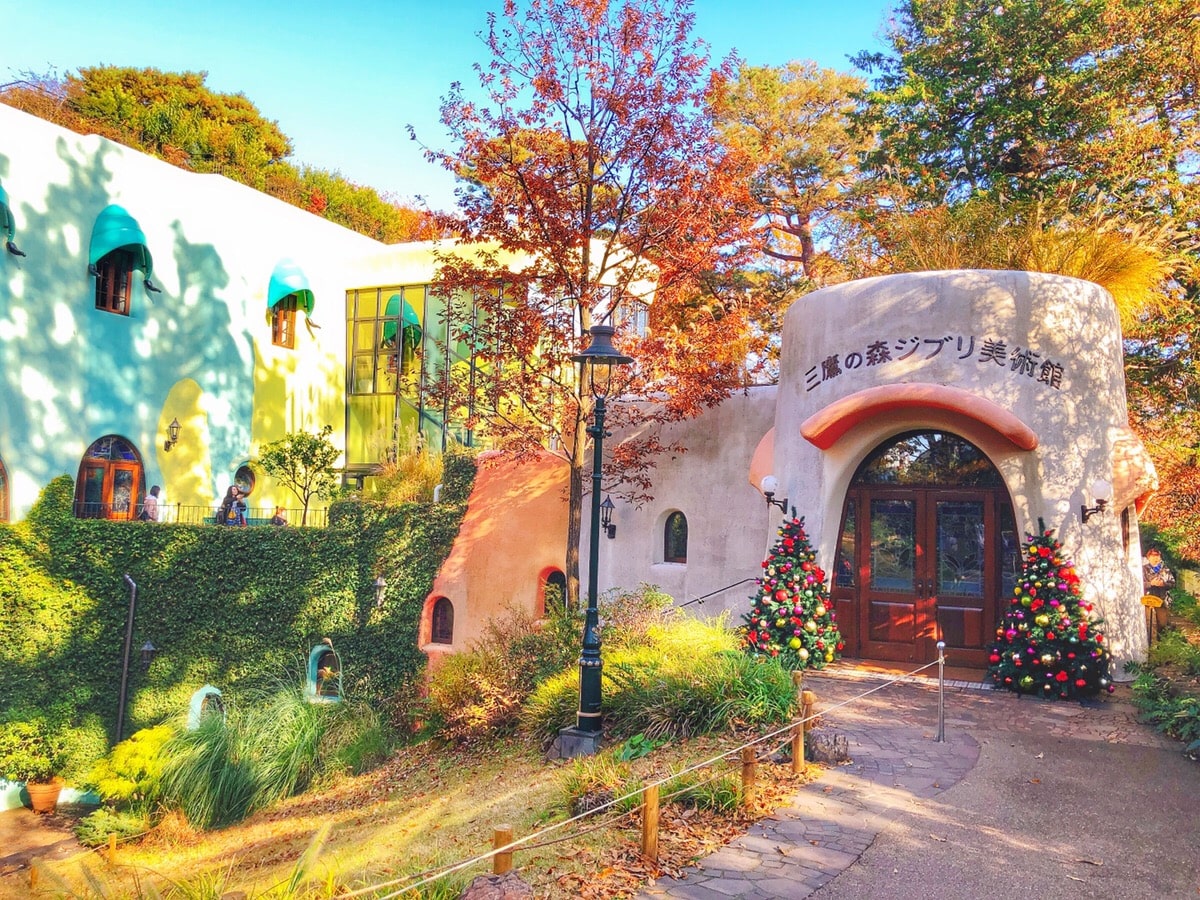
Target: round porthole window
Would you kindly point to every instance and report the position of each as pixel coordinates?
(244, 479)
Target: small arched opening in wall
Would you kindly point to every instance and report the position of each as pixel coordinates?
(441, 621)
(552, 591)
(674, 546)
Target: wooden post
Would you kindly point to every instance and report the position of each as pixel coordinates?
(798, 684)
(748, 776)
(650, 823)
(502, 837)
(798, 749)
(809, 703)
(33, 874)
(112, 848)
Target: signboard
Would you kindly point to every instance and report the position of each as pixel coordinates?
(1149, 600)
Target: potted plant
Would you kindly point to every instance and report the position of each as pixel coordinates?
(30, 754)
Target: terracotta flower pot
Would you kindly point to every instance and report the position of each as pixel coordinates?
(44, 797)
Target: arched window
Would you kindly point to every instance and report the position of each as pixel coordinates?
(117, 250)
(675, 534)
(114, 280)
(443, 621)
(110, 483)
(287, 292)
(554, 592)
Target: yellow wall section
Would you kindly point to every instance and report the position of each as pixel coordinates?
(185, 468)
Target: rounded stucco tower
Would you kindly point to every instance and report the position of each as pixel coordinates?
(926, 422)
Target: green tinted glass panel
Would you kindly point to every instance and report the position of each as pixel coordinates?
(844, 568)
(1009, 551)
(960, 548)
(893, 544)
(929, 458)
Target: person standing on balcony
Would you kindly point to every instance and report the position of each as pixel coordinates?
(149, 511)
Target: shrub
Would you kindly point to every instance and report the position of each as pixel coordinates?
(29, 752)
(409, 477)
(1178, 717)
(552, 705)
(270, 748)
(627, 616)
(480, 691)
(636, 747)
(208, 776)
(1172, 648)
(687, 679)
(93, 829)
(131, 774)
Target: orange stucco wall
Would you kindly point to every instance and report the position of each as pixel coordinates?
(514, 533)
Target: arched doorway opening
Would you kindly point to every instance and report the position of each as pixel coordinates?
(927, 551)
(110, 483)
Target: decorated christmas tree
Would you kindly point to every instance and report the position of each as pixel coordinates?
(792, 619)
(1049, 643)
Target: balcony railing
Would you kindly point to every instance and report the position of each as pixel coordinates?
(201, 515)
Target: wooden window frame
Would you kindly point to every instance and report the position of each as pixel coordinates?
(670, 553)
(114, 282)
(283, 322)
(441, 628)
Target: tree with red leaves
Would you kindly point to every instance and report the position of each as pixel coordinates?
(594, 191)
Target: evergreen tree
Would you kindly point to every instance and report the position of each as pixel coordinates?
(1049, 643)
(792, 619)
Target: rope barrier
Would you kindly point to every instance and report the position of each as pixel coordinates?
(520, 843)
(527, 842)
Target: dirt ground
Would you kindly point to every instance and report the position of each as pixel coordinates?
(24, 836)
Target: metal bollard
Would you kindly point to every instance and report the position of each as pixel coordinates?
(941, 732)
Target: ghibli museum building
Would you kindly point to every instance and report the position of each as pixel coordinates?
(158, 327)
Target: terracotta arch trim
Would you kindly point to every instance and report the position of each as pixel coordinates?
(823, 429)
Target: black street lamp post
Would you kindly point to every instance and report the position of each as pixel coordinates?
(584, 738)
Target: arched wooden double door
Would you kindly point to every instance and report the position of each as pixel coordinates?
(111, 482)
(928, 551)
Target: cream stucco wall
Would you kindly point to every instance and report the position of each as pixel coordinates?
(728, 523)
(953, 323)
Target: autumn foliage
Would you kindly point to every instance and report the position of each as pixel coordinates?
(593, 190)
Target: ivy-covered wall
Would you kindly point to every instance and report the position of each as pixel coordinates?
(238, 608)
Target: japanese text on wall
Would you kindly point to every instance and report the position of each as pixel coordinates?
(1018, 361)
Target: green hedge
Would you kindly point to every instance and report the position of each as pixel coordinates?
(238, 608)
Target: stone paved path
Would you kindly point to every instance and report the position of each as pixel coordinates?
(896, 765)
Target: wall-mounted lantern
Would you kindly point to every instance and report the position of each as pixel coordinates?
(172, 435)
(769, 485)
(606, 522)
(1102, 493)
(149, 651)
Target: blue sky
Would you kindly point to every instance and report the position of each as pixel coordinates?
(343, 79)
